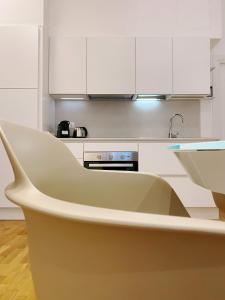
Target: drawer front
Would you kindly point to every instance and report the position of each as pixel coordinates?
(77, 149)
(191, 194)
(156, 158)
(110, 147)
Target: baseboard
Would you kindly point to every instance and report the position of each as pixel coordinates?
(11, 213)
(16, 213)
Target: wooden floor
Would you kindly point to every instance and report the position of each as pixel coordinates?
(15, 276)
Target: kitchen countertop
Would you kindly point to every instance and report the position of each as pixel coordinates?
(139, 139)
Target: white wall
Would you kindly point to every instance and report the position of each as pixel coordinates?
(130, 118)
(134, 17)
(212, 115)
(217, 106)
(21, 12)
(47, 116)
(219, 45)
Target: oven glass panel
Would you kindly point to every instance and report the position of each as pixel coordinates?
(115, 165)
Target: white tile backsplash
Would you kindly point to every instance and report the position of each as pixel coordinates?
(130, 118)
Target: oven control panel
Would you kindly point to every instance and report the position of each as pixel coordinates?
(111, 156)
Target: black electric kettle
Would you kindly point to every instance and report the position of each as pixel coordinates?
(80, 132)
(63, 130)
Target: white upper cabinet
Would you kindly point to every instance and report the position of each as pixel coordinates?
(67, 65)
(110, 65)
(121, 65)
(153, 65)
(18, 57)
(191, 65)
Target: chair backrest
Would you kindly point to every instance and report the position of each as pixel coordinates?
(44, 160)
(48, 165)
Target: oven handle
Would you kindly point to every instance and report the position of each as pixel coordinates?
(95, 165)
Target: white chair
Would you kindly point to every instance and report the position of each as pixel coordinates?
(205, 164)
(104, 235)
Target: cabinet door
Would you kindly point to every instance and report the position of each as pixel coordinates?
(18, 106)
(18, 57)
(6, 176)
(67, 65)
(110, 65)
(156, 158)
(191, 194)
(77, 149)
(153, 65)
(191, 65)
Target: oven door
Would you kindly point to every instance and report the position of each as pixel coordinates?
(112, 165)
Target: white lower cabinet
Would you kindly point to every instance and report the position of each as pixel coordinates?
(18, 106)
(111, 147)
(77, 149)
(157, 159)
(154, 158)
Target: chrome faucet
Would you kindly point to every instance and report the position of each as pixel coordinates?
(175, 134)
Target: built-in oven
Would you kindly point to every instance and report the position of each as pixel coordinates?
(111, 160)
